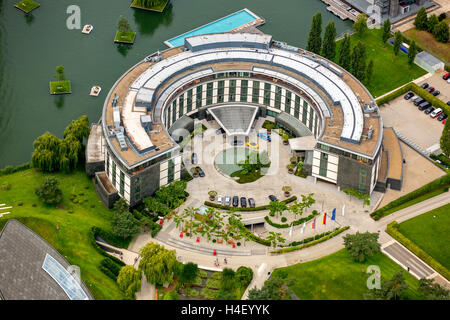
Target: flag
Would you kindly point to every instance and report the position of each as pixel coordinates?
(303, 228)
(343, 210)
(333, 214)
(314, 223)
(290, 232)
(324, 220)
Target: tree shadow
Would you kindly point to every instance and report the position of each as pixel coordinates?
(59, 101)
(124, 48)
(29, 18)
(148, 21)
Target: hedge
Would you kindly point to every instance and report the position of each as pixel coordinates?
(265, 207)
(429, 187)
(437, 103)
(91, 236)
(107, 272)
(111, 265)
(334, 233)
(295, 223)
(252, 237)
(447, 67)
(442, 158)
(110, 238)
(9, 169)
(392, 230)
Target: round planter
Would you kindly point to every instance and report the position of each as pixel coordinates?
(290, 171)
(212, 198)
(285, 142)
(287, 193)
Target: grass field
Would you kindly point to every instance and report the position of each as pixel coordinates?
(60, 87)
(27, 5)
(385, 78)
(338, 277)
(125, 37)
(71, 240)
(431, 232)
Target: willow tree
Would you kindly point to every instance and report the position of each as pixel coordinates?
(46, 154)
(129, 281)
(158, 263)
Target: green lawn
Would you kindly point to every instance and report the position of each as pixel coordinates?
(158, 8)
(60, 87)
(338, 277)
(125, 37)
(27, 5)
(427, 41)
(71, 240)
(389, 71)
(431, 232)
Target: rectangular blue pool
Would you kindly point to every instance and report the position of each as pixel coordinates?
(225, 24)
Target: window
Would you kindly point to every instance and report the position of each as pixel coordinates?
(244, 90)
(174, 109)
(362, 180)
(220, 91)
(232, 91)
(189, 100)
(122, 183)
(305, 112)
(323, 164)
(277, 97)
(324, 147)
(255, 93)
(171, 171)
(271, 113)
(287, 102)
(199, 92)
(267, 87)
(297, 107)
(180, 105)
(137, 189)
(209, 93)
(113, 174)
(311, 117)
(107, 165)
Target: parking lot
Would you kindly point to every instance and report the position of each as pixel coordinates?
(440, 84)
(406, 119)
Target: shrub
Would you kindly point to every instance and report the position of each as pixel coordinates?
(265, 207)
(49, 191)
(107, 272)
(283, 219)
(10, 169)
(92, 233)
(111, 265)
(295, 223)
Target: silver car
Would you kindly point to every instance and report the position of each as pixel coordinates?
(227, 200)
(219, 199)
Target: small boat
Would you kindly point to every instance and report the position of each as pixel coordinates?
(95, 91)
(87, 29)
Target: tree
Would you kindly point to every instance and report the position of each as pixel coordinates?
(360, 25)
(442, 16)
(412, 52)
(390, 290)
(46, 154)
(78, 129)
(123, 25)
(315, 34)
(369, 71)
(432, 22)
(276, 207)
(445, 139)
(121, 206)
(432, 290)
(275, 238)
(188, 273)
(329, 43)
(398, 39)
(386, 30)
(244, 276)
(344, 53)
(421, 20)
(441, 32)
(124, 224)
(49, 191)
(273, 289)
(129, 281)
(171, 295)
(60, 73)
(158, 263)
(362, 245)
(359, 61)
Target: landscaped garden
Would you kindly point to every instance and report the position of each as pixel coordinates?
(124, 33)
(151, 5)
(61, 86)
(27, 5)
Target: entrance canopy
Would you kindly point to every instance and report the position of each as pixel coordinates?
(234, 119)
(302, 143)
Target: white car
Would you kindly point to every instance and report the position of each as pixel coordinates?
(436, 113)
(219, 199)
(227, 200)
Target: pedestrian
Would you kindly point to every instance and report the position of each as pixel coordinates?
(225, 260)
(408, 268)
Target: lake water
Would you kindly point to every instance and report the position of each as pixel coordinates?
(32, 46)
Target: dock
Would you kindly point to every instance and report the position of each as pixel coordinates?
(342, 10)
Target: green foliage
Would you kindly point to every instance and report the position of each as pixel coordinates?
(441, 32)
(345, 58)
(393, 289)
(442, 16)
(157, 263)
(386, 30)
(275, 238)
(315, 34)
(329, 43)
(129, 281)
(124, 224)
(429, 187)
(123, 25)
(244, 276)
(171, 295)
(445, 139)
(277, 207)
(49, 192)
(60, 73)
(398, 39)
(295, 223)
(432, 290)
(149, 4)
(359, 61)
(189, 272)
(259, 208)
(111, 265)
(362, 245)
(412, 52)
(271, 290)
(360, 25)
(421, 20)
(369, 71)
(269, 125)
(432, 22)
(9, 169)
(358, 195)
(392, 230)
(97, 231)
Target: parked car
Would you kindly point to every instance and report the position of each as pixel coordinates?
(436, 113)
(409, 95)
(424, 86)
(251, 202)
(424, 105)
(429, 110)
(201, 173)
(272, 198)
(430, 89)
(446, 76)
(448, 103)
(243, 202)
(448, 80)
(418, 101)
(194, 158)
(435, 93)
(219, 199)
(235, 201)
(227, 200)
(443, 116)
